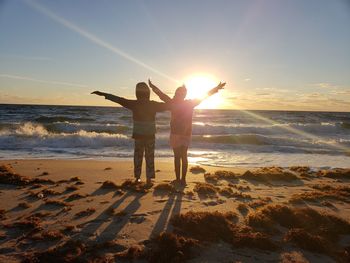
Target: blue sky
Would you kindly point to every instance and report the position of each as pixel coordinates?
(290, 55)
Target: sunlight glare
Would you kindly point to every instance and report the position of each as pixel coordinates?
(198, 87)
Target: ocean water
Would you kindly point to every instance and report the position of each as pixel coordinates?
(220, 137)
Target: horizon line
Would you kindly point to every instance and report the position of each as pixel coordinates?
(117, 106)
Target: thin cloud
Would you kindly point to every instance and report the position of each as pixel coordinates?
(53, 82)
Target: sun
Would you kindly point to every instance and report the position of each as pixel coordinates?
(198, 87)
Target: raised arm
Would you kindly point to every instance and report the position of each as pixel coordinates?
(157, 91)
(120, 100)
(211, 92)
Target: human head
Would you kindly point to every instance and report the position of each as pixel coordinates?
(180, 93)
(142, 91)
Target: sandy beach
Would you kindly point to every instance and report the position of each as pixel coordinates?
(89, 211)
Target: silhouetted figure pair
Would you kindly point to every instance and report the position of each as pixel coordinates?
(144, 127)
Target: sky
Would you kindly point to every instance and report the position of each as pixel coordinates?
(273, 54)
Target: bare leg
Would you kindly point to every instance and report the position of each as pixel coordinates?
(177, 162)
(184, 163)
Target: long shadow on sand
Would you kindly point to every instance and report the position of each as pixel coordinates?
(117, 223)
(162, 223)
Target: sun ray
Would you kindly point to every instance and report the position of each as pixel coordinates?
(296, 131)
(91, 37)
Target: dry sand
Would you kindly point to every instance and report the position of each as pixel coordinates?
(39, 216)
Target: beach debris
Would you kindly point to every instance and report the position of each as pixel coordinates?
(216, 226)
(131, 185)
(110, 185)
(269, 217)
(56, 203)
(269, 174)
(336, 173)
(322, 193)
(71, 188)
(75, 179)
(178, 248)
(205, 190)
(8, 176)
(308, 241)
(2, 213)
(108, 168)
(75, 196)
(132, 253)
(229, 193)
(48, 235)
(87, 212)
(164, 188)
(24, 205)
(197, 169)
(44, 174)
(50, 192)
(243, 208)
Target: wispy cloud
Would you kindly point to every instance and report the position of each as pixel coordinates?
(324, 85)
(53, 82)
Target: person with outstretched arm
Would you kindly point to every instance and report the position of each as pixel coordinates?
(144, 127)
(181, 124)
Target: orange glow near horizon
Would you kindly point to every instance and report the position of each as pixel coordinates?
(198, 87)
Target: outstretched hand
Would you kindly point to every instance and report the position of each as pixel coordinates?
(152, 86)
(99, 93)
(220, 86)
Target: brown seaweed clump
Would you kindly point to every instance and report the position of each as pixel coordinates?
(170, 247)
(24, 205)
(229, 193)
(215, 226)
(270, 216)
(164, 188)
(197, 169)
(308, 241)
(8, 176)
(3, 213)
(269, 174)
(219, 175)
(110, 185)
(56, 203)
(336, 173)
(132, 253)
(323, 193)
(86, 212)
(75, 196)
(28, 223)
(205, 190)
(135, 186)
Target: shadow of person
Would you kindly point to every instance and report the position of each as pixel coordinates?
(117, 224)
(89, 228)
(173, 205)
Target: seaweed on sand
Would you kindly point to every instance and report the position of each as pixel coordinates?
(197, 169)
(164, 188)
(205, 190)
(269, 174)
(86, 212)
(8, 176)
(215, 226)
(178, 248)
(336, 173)
(326, 225)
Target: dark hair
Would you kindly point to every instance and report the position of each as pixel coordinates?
(142, 91)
